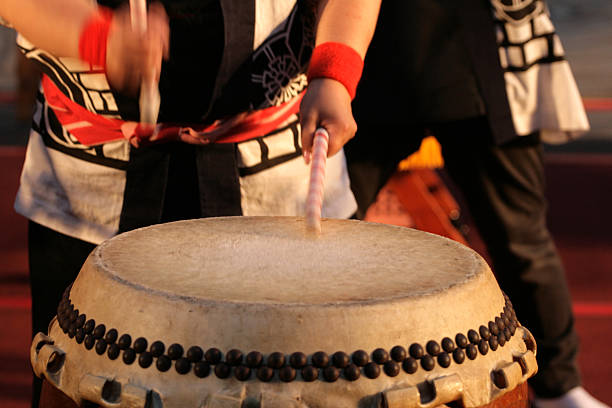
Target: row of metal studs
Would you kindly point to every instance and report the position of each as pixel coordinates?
(495, 334)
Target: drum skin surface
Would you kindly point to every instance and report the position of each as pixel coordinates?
(255, 312)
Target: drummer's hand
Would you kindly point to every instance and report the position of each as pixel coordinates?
(132, 57)
(326, 104)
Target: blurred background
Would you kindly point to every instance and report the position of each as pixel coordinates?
(586, 31)
(579, 178)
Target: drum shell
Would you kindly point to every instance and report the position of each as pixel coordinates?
(286, 328)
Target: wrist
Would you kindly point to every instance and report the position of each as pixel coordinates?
(94, 38)
(336, 61)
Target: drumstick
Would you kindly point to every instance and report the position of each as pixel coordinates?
(314, 199)
(149, 100)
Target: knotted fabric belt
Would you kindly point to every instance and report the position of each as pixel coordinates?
(92, 129)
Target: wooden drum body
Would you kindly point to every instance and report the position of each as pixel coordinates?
(253, 312)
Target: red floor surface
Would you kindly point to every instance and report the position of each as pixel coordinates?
(580, 192)
(15, 372)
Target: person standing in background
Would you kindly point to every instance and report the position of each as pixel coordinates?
(489, 80)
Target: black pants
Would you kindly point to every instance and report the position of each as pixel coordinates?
(504, 190)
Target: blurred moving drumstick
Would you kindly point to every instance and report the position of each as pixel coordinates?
(149, 92)
(314, 199)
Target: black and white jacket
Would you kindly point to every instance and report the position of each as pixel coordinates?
(227, 56)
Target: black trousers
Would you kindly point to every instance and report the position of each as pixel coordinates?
(504, 190)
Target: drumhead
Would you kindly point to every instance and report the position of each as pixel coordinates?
(275, 260)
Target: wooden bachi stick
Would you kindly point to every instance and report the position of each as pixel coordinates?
(314, 199)
(149, 100)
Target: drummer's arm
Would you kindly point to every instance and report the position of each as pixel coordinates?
(53, 25)
(61, 27)
(351, 22)
(327, 102)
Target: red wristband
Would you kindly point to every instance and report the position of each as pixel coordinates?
(92, 43)
(336, 61)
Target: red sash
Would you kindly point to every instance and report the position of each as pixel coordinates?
(92, 129)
